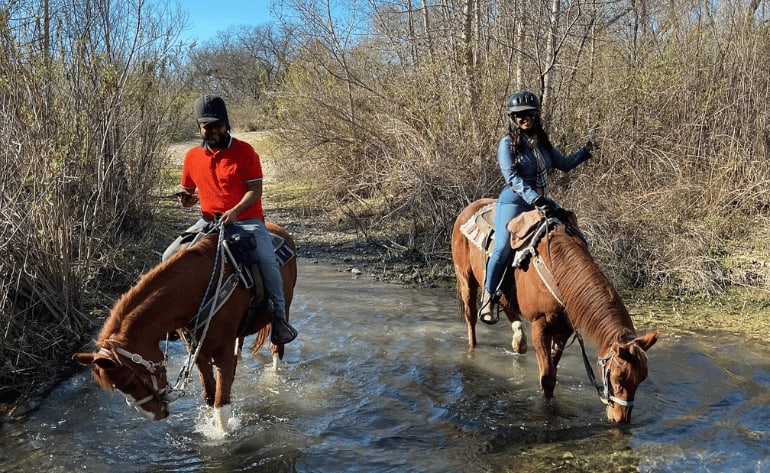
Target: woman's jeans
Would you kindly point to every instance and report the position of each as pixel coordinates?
(509, 205)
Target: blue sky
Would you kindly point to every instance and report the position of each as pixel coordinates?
(208, 17)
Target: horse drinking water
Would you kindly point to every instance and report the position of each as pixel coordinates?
(167, 298)
(560, 290)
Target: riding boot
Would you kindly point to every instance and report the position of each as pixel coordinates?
(489, 312)
(282, 333)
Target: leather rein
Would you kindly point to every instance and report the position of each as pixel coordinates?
(148, 372)
(603, 389)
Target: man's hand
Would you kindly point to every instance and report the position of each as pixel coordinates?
(186, 199)
(231, 216)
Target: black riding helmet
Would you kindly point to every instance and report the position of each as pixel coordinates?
(523, 100)
(209, 109)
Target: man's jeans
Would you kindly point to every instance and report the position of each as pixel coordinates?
(268, 263)
(264, 253)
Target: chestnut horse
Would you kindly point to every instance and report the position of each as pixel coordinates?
(585, 302)
(167, 298)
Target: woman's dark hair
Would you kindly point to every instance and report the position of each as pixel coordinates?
(516, 137)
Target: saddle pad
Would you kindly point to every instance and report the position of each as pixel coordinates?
(283, 252)
(479, 229)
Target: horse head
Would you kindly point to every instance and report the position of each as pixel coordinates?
(623, 369)
(142, 382)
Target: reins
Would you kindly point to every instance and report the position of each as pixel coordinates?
(200, 321)
(602, 389)
(211, 307)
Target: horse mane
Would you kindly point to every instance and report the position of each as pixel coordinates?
(147, 285)
(593, 305)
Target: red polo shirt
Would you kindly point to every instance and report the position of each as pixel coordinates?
(221, 176)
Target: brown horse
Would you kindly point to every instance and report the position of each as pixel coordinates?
(167, 299)
(586, 303)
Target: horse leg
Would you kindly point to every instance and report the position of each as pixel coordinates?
(226, 365)
(519, 340)
(467, 290)
(208, 383)
(542, 342)
(557, 350)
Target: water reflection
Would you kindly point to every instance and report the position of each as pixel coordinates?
(380, 380)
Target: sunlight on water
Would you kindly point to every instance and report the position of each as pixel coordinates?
(380, 379)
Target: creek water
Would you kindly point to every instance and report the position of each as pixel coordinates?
(381, 380)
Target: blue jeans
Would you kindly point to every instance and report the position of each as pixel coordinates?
(268, 263)
(509, 205)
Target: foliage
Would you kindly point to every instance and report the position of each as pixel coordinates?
(83, 122)
(393, 110)
(388, 113)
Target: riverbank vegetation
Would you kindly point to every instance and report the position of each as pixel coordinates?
(387, 116)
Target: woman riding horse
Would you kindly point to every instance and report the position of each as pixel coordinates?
(525, 155)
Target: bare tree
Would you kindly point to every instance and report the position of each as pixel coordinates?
(84, 155)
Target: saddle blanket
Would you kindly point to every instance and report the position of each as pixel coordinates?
(480, 228)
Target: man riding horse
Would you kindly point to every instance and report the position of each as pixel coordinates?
(228, 176)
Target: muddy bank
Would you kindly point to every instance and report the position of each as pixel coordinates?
(379, 259)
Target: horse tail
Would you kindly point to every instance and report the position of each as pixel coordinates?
(260, 339)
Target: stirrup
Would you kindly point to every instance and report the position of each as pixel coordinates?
(282, 333)
(489, 313)
(490, 318)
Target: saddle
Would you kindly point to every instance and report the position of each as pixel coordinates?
(237, 247)
(526, 230)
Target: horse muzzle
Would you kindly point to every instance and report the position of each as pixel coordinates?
(618, 413)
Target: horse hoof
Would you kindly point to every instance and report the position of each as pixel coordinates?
(519, 343)
(221, 416)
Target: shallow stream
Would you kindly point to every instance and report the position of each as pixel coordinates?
(380, 380)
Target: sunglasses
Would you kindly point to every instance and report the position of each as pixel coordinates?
(524, 114)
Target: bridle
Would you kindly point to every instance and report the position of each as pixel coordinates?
(604, 389)
(146, 372)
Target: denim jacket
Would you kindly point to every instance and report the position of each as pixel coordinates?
(522, 177)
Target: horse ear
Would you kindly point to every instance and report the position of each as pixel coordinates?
(84, 359)
(647, 340)
(97, 359)
(623, 351)
(104, 362)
